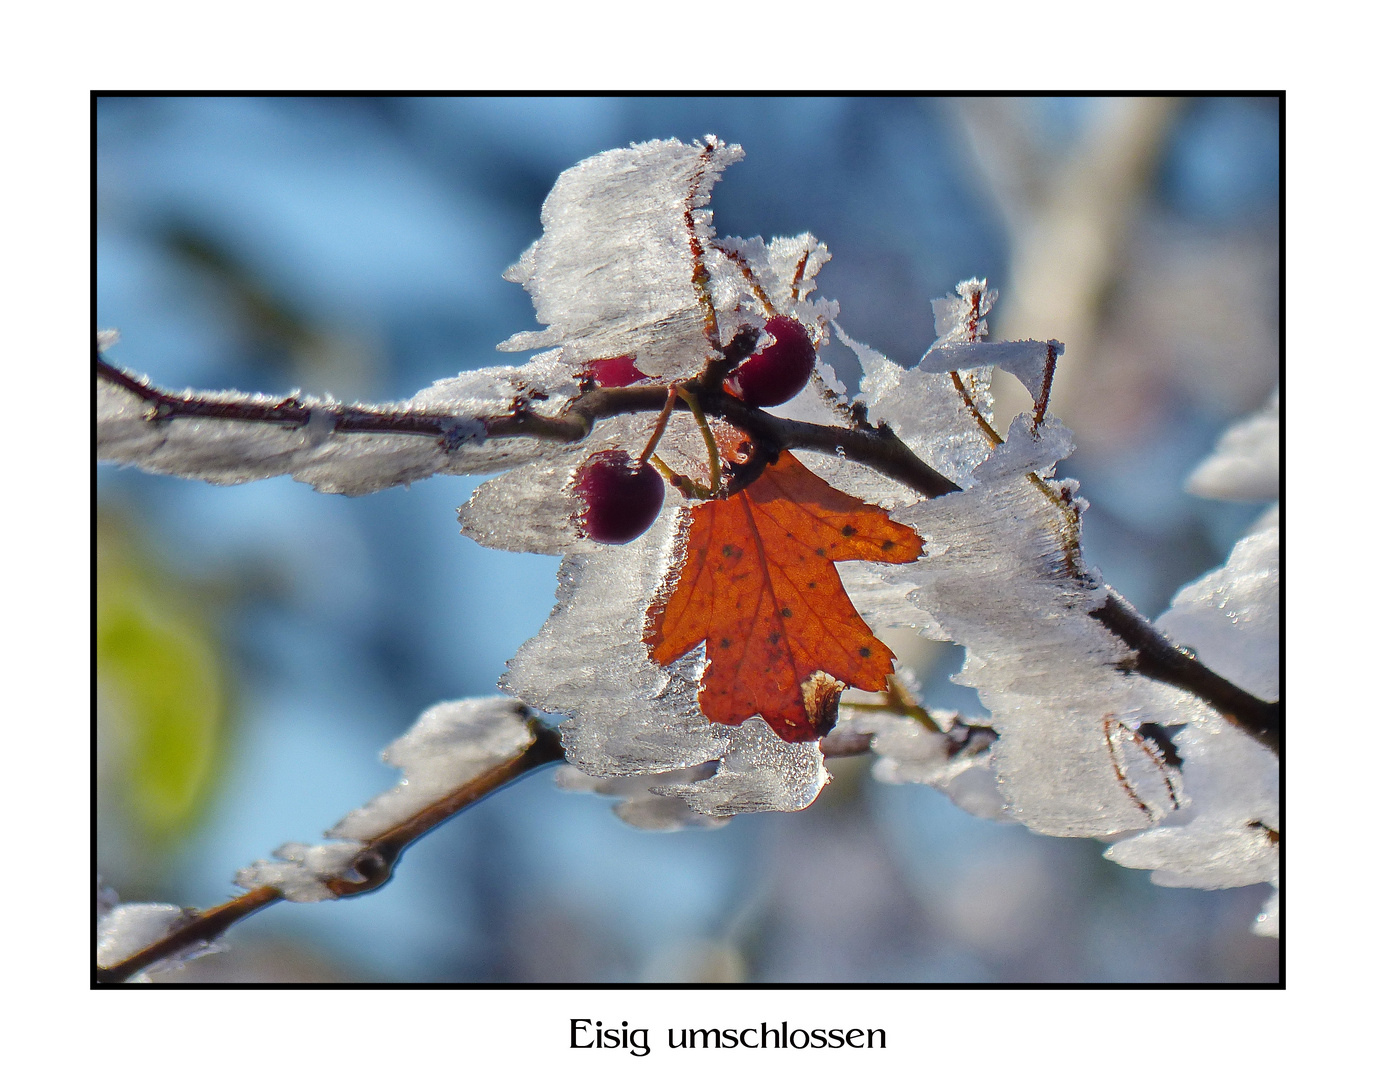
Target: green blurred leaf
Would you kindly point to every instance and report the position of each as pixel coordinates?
(161, 691)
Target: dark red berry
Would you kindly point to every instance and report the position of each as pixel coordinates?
(775, 374)
(614, 371)
(620, 499)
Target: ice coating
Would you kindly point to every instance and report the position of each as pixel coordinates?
(612, 273)
(1245, 464)
(639, 802)
(224, 451)
(960, 345)
(926, 410)
(759, 771)
(1027, 361)
(1084, 747)
(1003, 578)
(1230, 833)
(301, 872)
(954, 760)
(626, 714)
(1231, 616)
(785, 270)
(453, 743)
(534, 507)
(129, 928)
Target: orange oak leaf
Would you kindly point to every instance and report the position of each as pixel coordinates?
(758, 584)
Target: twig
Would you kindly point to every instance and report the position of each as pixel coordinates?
(877, 447)
(371, 868)
(1157, 658)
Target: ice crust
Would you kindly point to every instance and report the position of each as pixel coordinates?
(926, 411)
(1230, 833)
(1231, 618)
(451, 744)
(628, 715)
(1003, 578)
(300, 872)
(127, 928)
(612, 273)
(350, 463)
(955, 760)
(785, 269)
(639, 799)
(1024, 360)
(533, 507)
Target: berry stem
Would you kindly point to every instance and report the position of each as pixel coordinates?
(713, 457)
(685, 484)
(660, 425)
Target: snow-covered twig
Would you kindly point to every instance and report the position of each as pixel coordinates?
(455, 755)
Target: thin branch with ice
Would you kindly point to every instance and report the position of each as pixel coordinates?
(367, 469)
(457, 753)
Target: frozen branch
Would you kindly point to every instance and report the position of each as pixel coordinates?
(370, 841)
(878, 447)
(1157, 658)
